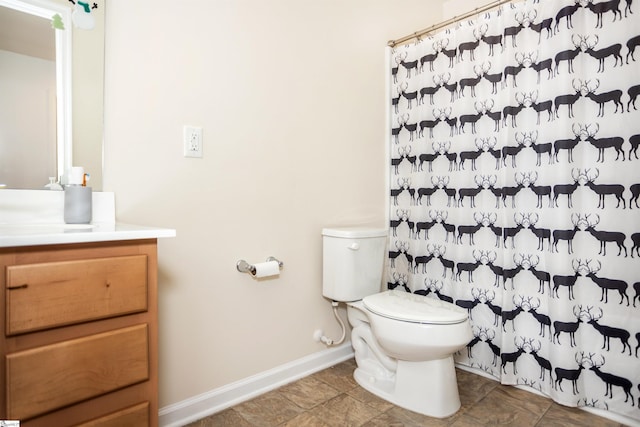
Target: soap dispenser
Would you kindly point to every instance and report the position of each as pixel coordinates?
(53, 184)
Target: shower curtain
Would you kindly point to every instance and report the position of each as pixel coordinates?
(515, 179)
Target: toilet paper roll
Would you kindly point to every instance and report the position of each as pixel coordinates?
(75, 175)
(267, 269)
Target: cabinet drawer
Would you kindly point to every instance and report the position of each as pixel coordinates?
(46, 378)
(42, 296)
(135, 416)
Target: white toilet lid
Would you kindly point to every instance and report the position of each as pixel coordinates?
(408, 307)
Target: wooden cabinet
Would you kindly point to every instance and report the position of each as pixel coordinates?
(79, 334)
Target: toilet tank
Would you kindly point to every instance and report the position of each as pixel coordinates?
(353, 262)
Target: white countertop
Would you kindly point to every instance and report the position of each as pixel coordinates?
(36, 217)
(12, 235)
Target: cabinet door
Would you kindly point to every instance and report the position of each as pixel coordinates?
(135, 416)
(46, 295)
(46, 378)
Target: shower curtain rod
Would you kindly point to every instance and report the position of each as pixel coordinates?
(476, 11)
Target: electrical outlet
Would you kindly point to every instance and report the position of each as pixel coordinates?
(192, 141)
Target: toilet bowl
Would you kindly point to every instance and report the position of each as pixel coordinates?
(404, 345)
(403, 342)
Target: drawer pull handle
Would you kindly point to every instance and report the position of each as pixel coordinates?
(23, 286)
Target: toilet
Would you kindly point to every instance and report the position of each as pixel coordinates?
(403, 342)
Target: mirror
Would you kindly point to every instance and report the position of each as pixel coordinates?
(52, 117)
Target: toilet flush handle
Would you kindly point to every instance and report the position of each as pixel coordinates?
(354, 246)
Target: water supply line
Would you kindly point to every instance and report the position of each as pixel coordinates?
(326, 340)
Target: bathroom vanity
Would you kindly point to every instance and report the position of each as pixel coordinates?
(80, 332)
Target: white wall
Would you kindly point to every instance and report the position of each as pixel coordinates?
(290, 95)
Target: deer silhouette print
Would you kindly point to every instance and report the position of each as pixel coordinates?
(436, 286)
(399, 281)
(544, 364)
(541, 233)
(570, 99)
(539, 190)
(568, 235)
(632, 43)
(469, 305)
(513, 110)
(570, 374)
(607, 284)
(471, 118)
(568, 327)
(423, 260)
(603, 190)
(569, 55)
(542, 319)
(605, 237)
(428, 124)
(431, 57)
(469, 46)
(633, 93)
(490, 41)
(510, 316)
(495, 349)
(480, 335)
(636, 288)
(510, 191)
(403, 216)
(402, 248)
(523, 61)
(603, 143)
(510, 232)
(542, 276)
(545, 64)
(545, 24)
(469, 267)
(425, 226)
(602, 98)
(567, 13)
(487, 300)
(512, 151)
(471, 230)
(567, 189)
(409, 96)
(634, 141)
(611, 380)
(521, 344)
(471, 82)
(599, 9)
(635, 239)
(471, 155)
(494, 78)
(608, 332)
(568, 281)
(411, 65)
(602, 54)
(539, 107)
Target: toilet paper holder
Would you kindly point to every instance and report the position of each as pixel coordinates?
(244, 267)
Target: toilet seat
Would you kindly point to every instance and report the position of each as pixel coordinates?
(408, 307)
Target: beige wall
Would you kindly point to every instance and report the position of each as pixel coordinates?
(291, 98)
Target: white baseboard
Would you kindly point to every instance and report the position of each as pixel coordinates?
(216, 400)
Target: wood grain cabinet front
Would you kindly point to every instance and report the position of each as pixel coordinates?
(46, 378)
(134, 416)
(67, 292)
(79, 337)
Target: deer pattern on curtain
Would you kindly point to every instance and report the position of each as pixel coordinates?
(515, 180)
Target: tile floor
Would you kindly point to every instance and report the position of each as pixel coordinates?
(331, 398)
